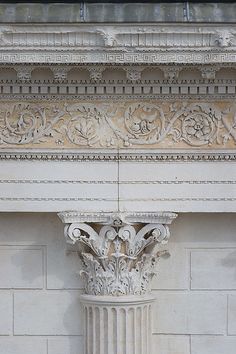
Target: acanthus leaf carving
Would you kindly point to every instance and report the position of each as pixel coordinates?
(125, 124)
(118, 258)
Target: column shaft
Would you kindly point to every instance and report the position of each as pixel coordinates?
(117, 326)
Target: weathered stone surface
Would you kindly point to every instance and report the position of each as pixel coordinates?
(138, 12)
(206, 263)
(118, 12)
(23, 345)
(212, 12)
(232, 315)
(21, 268)
(171, 344)
(190, 313)
(6, 312)
(65, 345)
(62, 309)
(213, 345)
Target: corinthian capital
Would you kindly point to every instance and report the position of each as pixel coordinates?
(119, 252)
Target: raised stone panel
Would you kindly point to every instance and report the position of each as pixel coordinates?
(232, 315)
(66, 345)
(213, 345)
(173, 271)
(63, 274)
(6, 311)
(25, 345)
(190, 313)
(62, 311)
(21, 267)
(213, 269)
(171, 344)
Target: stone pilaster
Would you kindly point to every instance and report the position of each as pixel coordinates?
(119, 253)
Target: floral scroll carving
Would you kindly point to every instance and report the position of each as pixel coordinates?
(118, 124)
(119, 257)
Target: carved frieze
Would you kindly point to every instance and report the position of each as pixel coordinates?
(174, 124)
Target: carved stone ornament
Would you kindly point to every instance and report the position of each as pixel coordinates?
(122, 43)
(124, 124)
(119, 252)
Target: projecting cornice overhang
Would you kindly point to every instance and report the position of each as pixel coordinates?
(118, 43)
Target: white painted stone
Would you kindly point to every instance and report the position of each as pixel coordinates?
(232, 315)
(171, 344)
(172, 271)
(6, 301)
(213, 345)
(213, 269)
(23, 345)
(21, 267)
(190, 313)
(65, 345)
(51, 313)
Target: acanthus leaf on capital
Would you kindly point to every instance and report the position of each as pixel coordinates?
(121, 257)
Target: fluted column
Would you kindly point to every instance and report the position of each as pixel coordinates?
(119, 253)
(117, 325)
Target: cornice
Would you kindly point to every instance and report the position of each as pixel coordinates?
(119, 43)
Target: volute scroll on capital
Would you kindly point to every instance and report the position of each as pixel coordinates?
(119, 252)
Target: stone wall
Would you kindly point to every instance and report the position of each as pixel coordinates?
(195, 311)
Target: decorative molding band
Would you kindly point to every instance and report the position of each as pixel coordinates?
(43, 181)
(114, 156)
(122, 43)
(129, 124)
(73, 216)
(149, 57)
(75, 199)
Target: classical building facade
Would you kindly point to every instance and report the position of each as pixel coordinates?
(117, 135)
